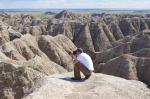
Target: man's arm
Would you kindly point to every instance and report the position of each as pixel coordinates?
(75, 61)
(73, 58)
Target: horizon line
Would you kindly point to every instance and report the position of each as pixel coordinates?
(81, 8)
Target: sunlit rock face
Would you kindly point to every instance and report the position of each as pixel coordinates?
(97, 86)
(35, 46)
(98, 29)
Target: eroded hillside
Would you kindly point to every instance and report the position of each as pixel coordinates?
(32, 47)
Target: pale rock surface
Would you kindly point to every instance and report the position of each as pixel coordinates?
(98, 86)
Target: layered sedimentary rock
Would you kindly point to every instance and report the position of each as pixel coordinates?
(16, 80)
(66, 14)
(7, 33)
(33, 46)
(128, 58)
(127, 66)
(46, 47)
(25, 58)
(100, 28)
(55, 51)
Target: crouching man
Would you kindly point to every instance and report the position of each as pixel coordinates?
(82, 63)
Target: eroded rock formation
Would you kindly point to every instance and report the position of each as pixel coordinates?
(32, 47)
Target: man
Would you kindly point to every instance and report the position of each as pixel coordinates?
(82, 62)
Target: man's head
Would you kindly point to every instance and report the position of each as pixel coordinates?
(78, 51)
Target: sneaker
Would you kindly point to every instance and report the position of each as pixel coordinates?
(73, 78)
(87, 77)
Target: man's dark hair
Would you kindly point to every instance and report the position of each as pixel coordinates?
(80, 50)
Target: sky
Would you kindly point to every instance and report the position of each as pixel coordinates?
(122, 4)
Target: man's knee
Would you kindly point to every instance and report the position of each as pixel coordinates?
(78, 64)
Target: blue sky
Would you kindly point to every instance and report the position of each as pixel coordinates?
(128, 4)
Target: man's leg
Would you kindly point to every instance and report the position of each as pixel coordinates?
(84, 70)
(77, 74)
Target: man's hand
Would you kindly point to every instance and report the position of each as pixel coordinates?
(73, 57)
(75, 61)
